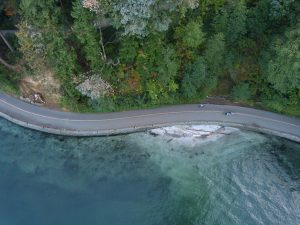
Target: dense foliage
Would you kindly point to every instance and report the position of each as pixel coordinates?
(152, 52)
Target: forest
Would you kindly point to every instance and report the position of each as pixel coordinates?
(112, 55)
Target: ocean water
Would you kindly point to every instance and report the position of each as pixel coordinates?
(143, 179)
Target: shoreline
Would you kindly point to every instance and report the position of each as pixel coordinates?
(74, 133)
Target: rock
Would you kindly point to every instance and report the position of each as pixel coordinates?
(192, 133)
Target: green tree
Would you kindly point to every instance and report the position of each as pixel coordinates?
(128, 50)
(87, 35)
(157, 60)
(283, 61)
(269, 15)
(214, 54)
(167, 65)
(231, 21)
(242, 92)
(194, 78)
(39, 12)
(43, 44)
(36, 24)
(191, 34)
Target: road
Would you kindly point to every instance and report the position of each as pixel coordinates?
(67, 123)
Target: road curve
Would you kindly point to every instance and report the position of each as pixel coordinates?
(76, 124)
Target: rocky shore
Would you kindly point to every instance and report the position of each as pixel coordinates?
(188, 134)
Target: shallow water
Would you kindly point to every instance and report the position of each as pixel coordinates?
(139, 179)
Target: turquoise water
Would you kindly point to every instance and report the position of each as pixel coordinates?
(139, 179)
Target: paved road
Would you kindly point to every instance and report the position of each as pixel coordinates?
(40, 118)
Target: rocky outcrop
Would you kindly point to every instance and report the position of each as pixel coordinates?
(193, 133)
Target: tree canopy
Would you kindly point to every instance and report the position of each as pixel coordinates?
(283, 66)
(153, 52)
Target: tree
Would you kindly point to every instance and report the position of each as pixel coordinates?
(188, 4)
(128, 50)
(185, 5)
(269, 15)
(214, 54)
(157, 64)
(38, 12)
(142, 17)
(258, 19)
(134, 15)
(191, 34)
(283, 61)
(194, 78)
(231, 21)
(32, 45)
(157, 60)
(279, 8)
(137, 16)
(242, 92)
(87, 35)
(43, 44)
(33, 32)
(167, 66)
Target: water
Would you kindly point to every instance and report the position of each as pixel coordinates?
(140, 179)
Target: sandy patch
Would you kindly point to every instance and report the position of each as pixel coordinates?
(46, 85)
